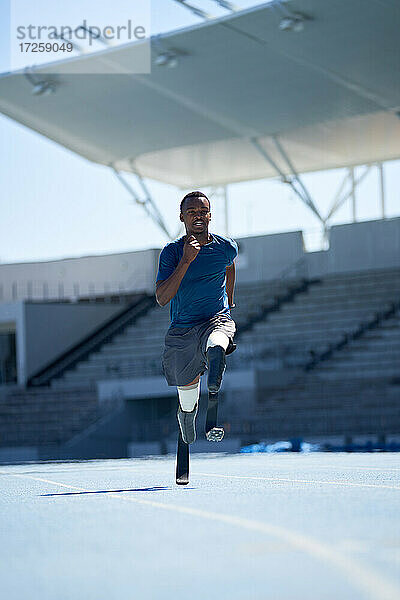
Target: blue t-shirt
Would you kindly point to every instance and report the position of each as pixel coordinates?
(202, 292)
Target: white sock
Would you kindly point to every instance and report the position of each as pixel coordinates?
(188, 396)
(217, 338)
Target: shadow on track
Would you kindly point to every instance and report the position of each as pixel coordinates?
(148, 489)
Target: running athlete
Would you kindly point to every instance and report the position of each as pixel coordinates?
(197, 274)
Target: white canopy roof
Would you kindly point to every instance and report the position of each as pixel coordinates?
(330, 94)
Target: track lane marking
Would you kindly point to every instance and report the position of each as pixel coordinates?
(338, 468)
(293, 463)
(304, 481)
(373, 584)
(272, 479)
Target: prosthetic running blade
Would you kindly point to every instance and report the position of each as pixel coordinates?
(213, 432)
(182, 462)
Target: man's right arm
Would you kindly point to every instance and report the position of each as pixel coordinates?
(166, 290)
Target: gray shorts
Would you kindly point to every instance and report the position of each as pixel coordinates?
(184, 355)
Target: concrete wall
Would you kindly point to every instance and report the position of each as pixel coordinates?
(355, 246)
(260, 257)
(12, 319)
(265, 257)
(367, 245)
(157, 387)
(77, 277)
(46, 330)
(361, 246)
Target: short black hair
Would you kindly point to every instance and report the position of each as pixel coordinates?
(194, 195)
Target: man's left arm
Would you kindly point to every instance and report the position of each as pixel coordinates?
(230, 283)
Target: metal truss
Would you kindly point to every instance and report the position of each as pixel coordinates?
(199, 12)
(341, 195)
(382, 188)
(293, 180)
(228, 5)
(147, 204)
(347, 188)
(221, 192)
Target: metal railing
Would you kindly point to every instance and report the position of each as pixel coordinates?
(60, 291)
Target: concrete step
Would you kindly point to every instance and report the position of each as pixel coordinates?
(306, 309)
(329, 374)
(318, 334)
(369, 356)
(321, 298)
(289, 319)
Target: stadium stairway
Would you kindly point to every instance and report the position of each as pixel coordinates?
(128, 315)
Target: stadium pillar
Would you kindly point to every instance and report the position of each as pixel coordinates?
(225, 193)
(382, 188)
(353, 194)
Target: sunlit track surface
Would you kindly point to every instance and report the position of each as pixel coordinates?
(279, 527)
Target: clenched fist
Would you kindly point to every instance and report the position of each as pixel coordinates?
(191, 249)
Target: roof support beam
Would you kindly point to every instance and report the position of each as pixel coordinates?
(221, 192)
(308, 199)
(226, 4)
(199, 12)
(148, 204)
(338, 195)
(382, 188)
(294, 181)
(340, 200)
(159, 219)
(353, 195)
(225, 191)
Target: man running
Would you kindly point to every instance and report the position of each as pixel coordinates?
(197, 273)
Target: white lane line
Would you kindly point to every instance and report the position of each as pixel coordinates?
(316, 467)
(305, 481)
(141, 467)
(375, 585)
(281, 467)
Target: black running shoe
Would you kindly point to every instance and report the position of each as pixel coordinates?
(187, 424)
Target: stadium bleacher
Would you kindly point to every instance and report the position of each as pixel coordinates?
(136, 352)
(314, 409)
(42, 417)
(334, 307)
(339, 336)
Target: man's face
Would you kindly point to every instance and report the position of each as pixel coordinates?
(196, 215)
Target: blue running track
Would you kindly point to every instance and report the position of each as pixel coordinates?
(247, 527)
